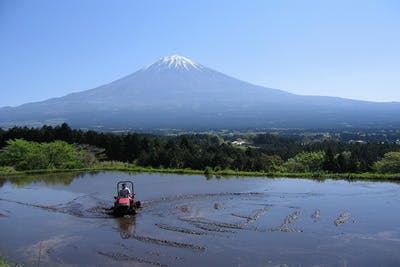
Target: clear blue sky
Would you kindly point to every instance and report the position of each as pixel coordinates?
(339, 48)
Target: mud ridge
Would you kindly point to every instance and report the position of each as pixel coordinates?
(196, 196)
(216, 226)
(316, 215)
(343, 218)
(257, 215)
(213, 223)
(251, 219)
(292, 217)
(241, 216)
(211, 228)
(179, 229)
(123, 257)
(285, 227)
(3, 215)
(167, 242)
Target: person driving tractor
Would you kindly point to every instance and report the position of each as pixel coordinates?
(125, 203)
(125, 191)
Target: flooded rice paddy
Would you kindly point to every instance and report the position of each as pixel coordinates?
(188, 220)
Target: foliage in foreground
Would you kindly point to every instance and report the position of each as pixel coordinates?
(305, 162)
(24, 155)
(390, 163)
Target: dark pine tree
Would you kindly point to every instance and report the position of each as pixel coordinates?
(329, 163)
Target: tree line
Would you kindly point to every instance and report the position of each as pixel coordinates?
(264, 152)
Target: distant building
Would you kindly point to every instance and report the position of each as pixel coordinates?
(357, 142)
(239, 143)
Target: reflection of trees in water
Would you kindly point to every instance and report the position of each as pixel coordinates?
(2, 182)
(64, 178)
(126, 226)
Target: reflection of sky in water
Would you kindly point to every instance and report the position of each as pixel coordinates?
(37, 194)
(370, 237)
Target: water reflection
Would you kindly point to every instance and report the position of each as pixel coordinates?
(64, 178)
(126, 226)
(188, 220)
(2, 182)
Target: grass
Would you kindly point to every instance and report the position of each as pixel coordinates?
(120, 166)
(3, 262)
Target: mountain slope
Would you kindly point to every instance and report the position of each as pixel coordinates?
(178, 92)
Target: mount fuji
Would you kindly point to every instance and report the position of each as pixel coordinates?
(176, 92)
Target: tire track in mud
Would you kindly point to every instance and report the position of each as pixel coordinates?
(70, 208)
(153, 202)
(168, 243)
(123, 257)
(179, 229)
(101, 210)
(213, 223)
(203, 223)
(224, 227)
(208, 227)
(45, 207)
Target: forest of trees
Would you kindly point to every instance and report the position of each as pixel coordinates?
(265, 152)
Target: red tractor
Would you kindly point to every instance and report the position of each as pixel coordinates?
(125, 203)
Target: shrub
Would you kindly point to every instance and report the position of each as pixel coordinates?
(208, 170)
(25, 155)
(6, 169)
(390, 163)
(305, 162)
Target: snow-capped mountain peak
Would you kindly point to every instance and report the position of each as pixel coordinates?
(175, 62)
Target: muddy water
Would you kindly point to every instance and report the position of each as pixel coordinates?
(62, 220)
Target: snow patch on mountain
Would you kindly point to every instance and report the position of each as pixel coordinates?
(175, 62)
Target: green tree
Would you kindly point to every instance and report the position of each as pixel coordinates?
(59, 154)
(329, 162)
(25, 155)
(305, 162)
(390, 163)
(63, 132)
(22, 155)
(272, 163)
